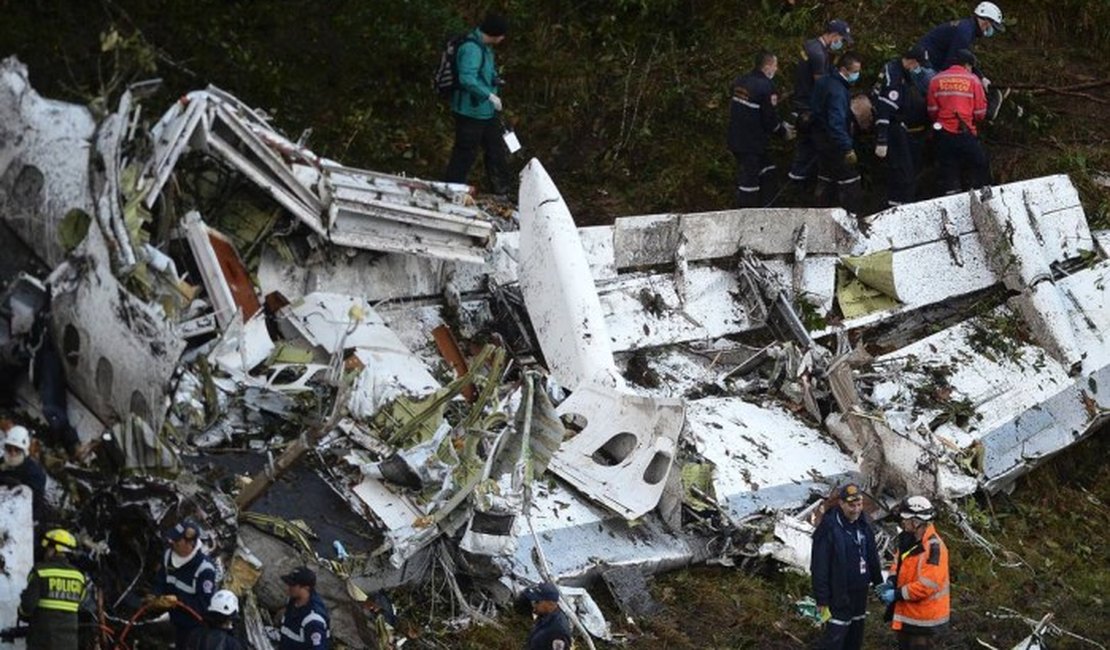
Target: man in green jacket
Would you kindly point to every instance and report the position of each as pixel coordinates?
(475, 104)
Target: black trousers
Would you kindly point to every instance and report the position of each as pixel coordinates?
(755, 180)
(959, 154)
(844, 631)
(470, 134)
(805, 149)
(904, 160)
(838, 181)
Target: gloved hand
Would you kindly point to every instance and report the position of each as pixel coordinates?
(888, 595)
(496, 101)
(851, 158)
(160, 603)
(986, 84)
(789, 132)
(824, 614)
(880, 150)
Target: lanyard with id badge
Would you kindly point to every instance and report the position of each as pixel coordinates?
(861, 544)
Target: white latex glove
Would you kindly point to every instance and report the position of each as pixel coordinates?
(496, 101)
(986, 83)
(880, 150)
(789, 132)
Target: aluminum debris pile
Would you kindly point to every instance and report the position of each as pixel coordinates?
(295, 342)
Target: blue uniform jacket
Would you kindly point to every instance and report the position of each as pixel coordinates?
(832, 110)
(193, 583)
(815, 64)
(306, 627)
(943, 41)
(901, 99)
(752, 115)
(549, 632)
(838, 547)
(477, 78)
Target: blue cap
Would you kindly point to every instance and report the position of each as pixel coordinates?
(541, 592)
(851, 493)
(186, 528)
(840, 27)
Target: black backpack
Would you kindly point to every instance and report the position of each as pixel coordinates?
(446, 78)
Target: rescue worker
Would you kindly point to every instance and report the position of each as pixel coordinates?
(844, 563)
(753, 118)
(187, 577)
(902, 123)
(832, 134)
(20, 469)
(918, 587)
(306, 621)
(551, 629)
(217, 633)
(943, 41)
(475, 104)
(816, 63)
(55, 590)
(957, 104)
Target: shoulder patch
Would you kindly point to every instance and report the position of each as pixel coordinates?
(316, 639)
(893, 95)
(934, 553)
(208, 586)
(558, 644)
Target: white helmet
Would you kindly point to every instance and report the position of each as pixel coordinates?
(917, 508)
(224, 602)
(990, 11)
(19, 437)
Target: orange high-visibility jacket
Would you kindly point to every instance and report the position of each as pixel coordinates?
(923, 587)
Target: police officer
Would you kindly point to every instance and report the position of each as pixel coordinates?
(53, 595)
(844, 563)
(217, 632)
(918, 587)
(187, 576)
(816, 63)
(832, 133)
(957, 104)
(551, 630)
(902, 123)
(306, 621)
(752, 120)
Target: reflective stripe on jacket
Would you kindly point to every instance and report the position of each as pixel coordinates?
(53, 595)
(306, 627)
(923, 598)
(193, 583)
(957, 100)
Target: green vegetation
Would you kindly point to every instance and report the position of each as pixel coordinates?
(624, 101)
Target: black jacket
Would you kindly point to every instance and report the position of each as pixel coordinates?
(838, 547)
(550, 632)
(752, 114)
(901, 100)
(815, 63)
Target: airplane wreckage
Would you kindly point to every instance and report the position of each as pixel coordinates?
(502, 399)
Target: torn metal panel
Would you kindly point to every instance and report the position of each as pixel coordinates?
(906, 226)
(106, 184)
(622, 456)
(45, 150)
(120, 352)
(1025, 403)
(558, 287)
(173, 134)
(1017, 257)
(403, 521)
(225, 278)
(629, 588)
(651, 240)
(764, 456)
(17, 553)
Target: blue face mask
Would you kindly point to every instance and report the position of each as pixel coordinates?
(836, 46)
(852, 77)
(918, 70)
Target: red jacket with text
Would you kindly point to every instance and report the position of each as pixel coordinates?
(956, 100)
